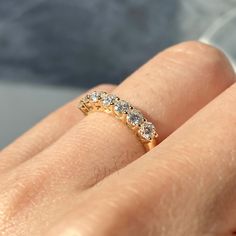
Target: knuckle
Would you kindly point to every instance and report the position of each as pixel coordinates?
(212, 56)
(201, 59)
(198, 48)
(19, 192)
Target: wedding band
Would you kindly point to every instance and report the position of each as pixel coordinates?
(122, 110)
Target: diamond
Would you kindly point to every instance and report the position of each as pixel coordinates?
(121, 107)
(86, 99)
(81, 104)
(109, 100)
(147, 131)
(135, 118)
(95, 96)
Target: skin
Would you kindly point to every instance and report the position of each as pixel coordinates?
(69, 176)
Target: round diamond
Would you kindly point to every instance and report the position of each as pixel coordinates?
(147, 131)
(95, 96)
(121, 107)
(81, 104)
(135, 118)
(86, 99)
(109, 100)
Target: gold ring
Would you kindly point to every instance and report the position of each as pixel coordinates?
(122, 110)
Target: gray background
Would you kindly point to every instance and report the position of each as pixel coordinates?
(50, 50)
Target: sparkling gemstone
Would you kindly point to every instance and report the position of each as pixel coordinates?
(81, 104)
(86, 99)
(95, 96)
(147, 131)
(135, 118)
(108, 100)
(121, 107)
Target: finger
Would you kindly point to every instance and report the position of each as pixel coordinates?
(183, 79)
(43, 134)
(169, 88)
(186, 186)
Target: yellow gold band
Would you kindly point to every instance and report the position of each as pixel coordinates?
(122, 110)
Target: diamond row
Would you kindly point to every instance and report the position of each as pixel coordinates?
(102, 101)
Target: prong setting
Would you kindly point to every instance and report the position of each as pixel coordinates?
(122, 110)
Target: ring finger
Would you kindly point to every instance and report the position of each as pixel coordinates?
(168, 89)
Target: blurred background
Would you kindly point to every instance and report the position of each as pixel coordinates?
(52, 50)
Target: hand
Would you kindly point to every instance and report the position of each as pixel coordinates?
(83, 176)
